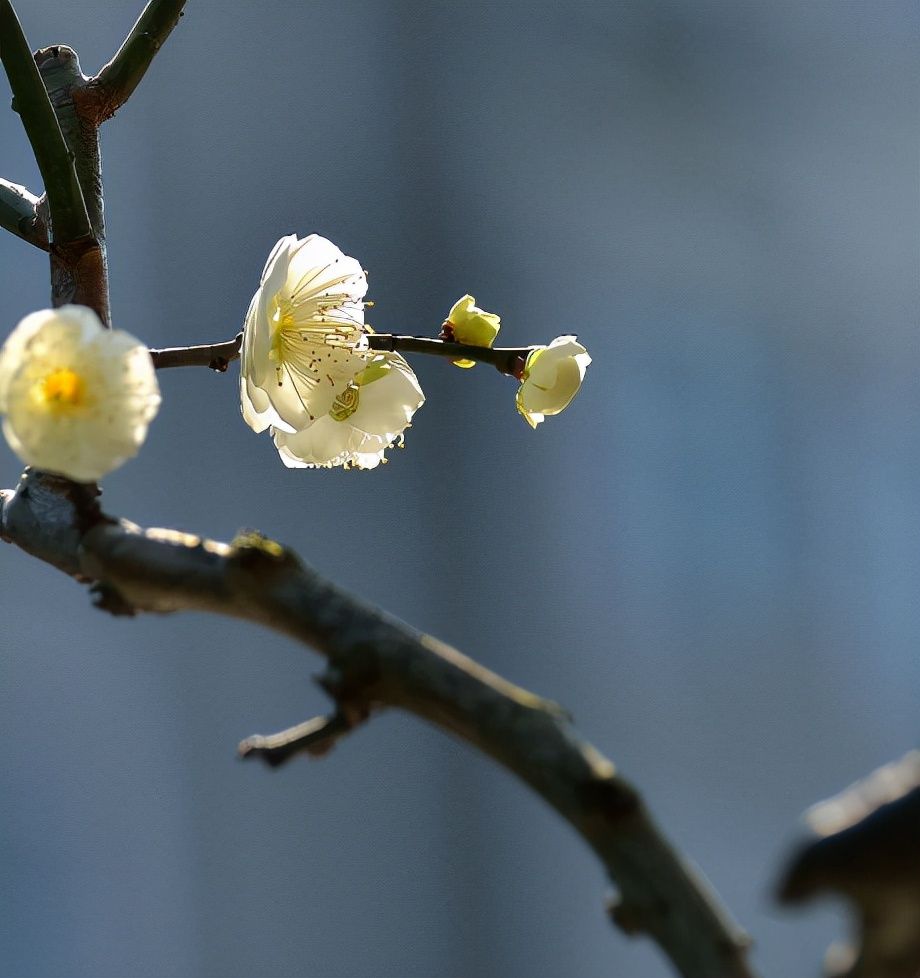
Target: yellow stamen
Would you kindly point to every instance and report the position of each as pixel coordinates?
(61, 389)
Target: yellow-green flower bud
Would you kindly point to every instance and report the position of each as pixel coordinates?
(471, 325)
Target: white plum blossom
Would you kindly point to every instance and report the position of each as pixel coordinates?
(304, 338)
(307, 372)
(366, 418)
(551, 378)
(77, 398)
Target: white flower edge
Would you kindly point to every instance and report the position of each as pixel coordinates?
(369, 417)
(551, 378)
(304, 334)
(77, 398)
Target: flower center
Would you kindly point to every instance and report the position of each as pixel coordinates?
(61, 390)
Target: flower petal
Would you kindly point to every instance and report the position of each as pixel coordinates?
(552, 377)
(387, 403)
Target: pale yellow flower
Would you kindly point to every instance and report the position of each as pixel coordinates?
(551, 378)
(304, 337)
(367, 418)
(467, 323)
(77, 398)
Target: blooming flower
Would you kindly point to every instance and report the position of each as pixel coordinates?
(551, 378)
(77, 398)
(304, 337)
(467, 323)
(307, 371)
(366, 418)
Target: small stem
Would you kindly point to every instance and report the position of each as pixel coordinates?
(19, 214)
(69, 220)
(116, 81)
(217, 356)
(316, 737)
(506, 360)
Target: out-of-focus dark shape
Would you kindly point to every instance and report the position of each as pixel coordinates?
(867, 848)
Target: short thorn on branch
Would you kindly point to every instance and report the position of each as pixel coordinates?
(315, 737)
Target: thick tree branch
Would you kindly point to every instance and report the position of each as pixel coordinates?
(116, 81)
(217, 356)
(19, 214)
(376, 661)
(68, 210)
(865, 846)
(79, 269)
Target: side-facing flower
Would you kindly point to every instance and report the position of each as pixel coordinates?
(77, 398)
(304, 336)
(467, 323)
(367, 417)
(551, 378)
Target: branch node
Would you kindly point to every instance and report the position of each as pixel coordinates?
(253, 550)
(611, 797)
(626, 916)
(107, 598)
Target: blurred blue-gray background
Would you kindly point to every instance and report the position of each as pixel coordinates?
(711, 558)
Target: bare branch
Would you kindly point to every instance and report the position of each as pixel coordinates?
(376, 661)
(217, 356)
(116, 81)
(69, 220)
(19, 214)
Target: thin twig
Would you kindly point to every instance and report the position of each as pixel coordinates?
(116, 81)
(507, 360)
(217, 356)
(69, 220)
(19, 214)
(377, 661)
(315, 737)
